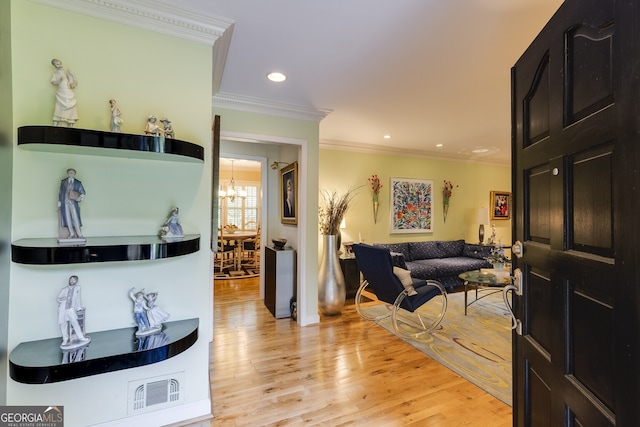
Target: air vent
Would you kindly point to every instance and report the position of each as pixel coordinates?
(155, 393)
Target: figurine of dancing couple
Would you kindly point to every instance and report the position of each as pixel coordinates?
(149, 317)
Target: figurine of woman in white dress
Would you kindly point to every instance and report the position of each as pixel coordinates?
(65, 108)
(116, 116)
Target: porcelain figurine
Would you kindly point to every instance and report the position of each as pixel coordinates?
(156, 315)
(71, 193)
(140, 310)
(69, 311)
(168, 128)
(65, 108)
(171, 229)
(116, 116)
(152, 128)
(492, 238)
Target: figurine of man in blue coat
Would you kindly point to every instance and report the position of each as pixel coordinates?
(71, 193)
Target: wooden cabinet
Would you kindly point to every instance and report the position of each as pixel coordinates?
(280, 280)
(351, 275)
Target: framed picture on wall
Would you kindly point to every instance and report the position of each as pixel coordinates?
(289, 194)
(500, 205)
(411, 205)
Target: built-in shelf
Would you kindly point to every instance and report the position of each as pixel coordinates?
(41, 362)
(86, 141)
(47, 251)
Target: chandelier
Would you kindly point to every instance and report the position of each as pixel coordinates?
(230, 191)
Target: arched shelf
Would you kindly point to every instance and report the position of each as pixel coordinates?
(47, 251)
(85, 141)
(42, 362)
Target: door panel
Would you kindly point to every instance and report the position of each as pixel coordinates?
(539, 312)
(570, 360)
(536, 105)
(539, 222)
(589, 84)
(592, 216)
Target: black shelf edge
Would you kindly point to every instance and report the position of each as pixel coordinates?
(53, 138)
(43, 362)
(47, 251)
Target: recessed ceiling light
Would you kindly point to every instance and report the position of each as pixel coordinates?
(439, 145)
(276, 77)
(480, 150)
(387, 137)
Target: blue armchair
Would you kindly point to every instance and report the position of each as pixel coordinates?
(404, 299)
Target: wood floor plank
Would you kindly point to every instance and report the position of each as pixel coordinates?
(344, 371)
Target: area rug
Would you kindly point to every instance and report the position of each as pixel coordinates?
(236, 274)
(477, 346)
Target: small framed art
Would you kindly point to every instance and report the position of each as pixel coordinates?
(500, 205)
(289, 194)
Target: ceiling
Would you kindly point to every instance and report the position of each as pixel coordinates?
(426, 72)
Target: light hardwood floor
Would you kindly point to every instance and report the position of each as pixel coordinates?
(343, 371)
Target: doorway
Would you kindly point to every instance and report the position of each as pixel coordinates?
(241, 213)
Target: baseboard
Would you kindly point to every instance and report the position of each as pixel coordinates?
(204, 421)
(195, 414)
(308, 320)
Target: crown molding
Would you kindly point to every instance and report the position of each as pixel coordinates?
(330, 144)
(219, 54)
(150, 15)
(262, 106)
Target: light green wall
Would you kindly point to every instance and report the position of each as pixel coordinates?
(340, 170)
(6, 168)
(148, 73)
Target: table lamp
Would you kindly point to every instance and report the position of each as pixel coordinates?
(483, 218)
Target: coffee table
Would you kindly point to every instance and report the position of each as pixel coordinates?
(483, 280)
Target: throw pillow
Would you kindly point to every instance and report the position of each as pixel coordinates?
(405, 279)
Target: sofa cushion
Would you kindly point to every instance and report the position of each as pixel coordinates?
(422, 269)
(452, 248)
(425, 250)
(476, 251)
(402, 248)
(441, 267)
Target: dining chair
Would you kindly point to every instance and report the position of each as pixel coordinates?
(225, 255)
(251, 250)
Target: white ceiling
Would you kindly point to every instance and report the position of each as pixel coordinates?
(426, 72)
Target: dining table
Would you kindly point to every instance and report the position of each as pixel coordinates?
(239, 236)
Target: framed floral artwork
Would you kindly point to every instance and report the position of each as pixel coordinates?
(500, 205)
(411, 205)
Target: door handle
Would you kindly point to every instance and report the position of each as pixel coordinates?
(516, 287)
(517, 249)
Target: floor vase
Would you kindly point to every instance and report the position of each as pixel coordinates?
(332, 290)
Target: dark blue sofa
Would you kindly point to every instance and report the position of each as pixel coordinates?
(439, 260)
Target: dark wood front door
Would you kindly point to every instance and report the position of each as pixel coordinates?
(576, 189)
